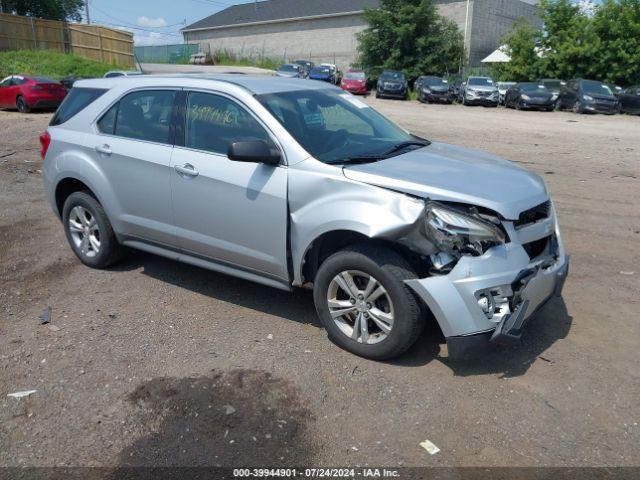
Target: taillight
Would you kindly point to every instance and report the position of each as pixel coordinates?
(45, 141)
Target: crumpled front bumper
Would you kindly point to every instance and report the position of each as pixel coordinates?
(518, 287)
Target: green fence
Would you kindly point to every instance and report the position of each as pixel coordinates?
(178, 53)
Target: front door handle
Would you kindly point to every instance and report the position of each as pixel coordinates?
(104, 149)
(187, 170)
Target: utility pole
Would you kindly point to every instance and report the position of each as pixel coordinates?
(466, 27)
(86, 9)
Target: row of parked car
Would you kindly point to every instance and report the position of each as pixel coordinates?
(579, 95)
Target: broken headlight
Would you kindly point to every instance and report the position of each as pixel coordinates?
(456, 232)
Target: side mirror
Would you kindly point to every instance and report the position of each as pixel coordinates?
(254, 151)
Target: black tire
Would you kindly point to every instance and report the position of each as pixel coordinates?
(377, 94)
(110, 250)
(390, 270)
(577, 107)
(22, 106)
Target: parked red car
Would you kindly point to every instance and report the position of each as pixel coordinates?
(27, 93)
(355, 81)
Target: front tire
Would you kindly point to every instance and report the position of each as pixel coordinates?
(363, 303)
(89, 231)
(577, 107)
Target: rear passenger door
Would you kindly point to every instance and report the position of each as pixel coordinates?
(229, 212)
(133, 145)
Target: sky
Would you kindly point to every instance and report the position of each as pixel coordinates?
(154, 22)
(158, 22)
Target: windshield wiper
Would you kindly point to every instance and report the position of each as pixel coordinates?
(389, 153)
(401, 146)
(360, 159)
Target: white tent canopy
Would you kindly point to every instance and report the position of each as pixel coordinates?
(498, 56)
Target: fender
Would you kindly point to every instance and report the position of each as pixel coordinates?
(322, 200)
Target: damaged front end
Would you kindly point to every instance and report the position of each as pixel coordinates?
(488, 275)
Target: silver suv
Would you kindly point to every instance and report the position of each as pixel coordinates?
(291, 183)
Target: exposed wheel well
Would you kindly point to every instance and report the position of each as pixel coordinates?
(65, 188)
(332, 242)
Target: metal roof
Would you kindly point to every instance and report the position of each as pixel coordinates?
(279, 10)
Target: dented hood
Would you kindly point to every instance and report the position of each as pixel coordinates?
(449, 173)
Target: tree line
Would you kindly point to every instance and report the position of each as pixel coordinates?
(601, 44)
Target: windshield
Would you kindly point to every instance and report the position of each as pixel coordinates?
(533, 87)
(590, 86)
(334, 126)
(288, 68)
(354, 76)
(434, 81)
(392, 76)
(321, 70)
(480, 81)
(557, 84)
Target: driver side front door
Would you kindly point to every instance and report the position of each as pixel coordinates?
(231, 213)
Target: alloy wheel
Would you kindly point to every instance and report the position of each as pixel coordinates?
(360, 306)
(84, 230)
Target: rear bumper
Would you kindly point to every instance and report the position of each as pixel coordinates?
(46, 104)
(505, 278)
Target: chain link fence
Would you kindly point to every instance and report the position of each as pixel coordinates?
(178, 53)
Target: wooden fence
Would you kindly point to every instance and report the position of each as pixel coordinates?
(95, 42)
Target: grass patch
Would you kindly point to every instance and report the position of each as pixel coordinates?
(412, 95)
(51, 64)
(225, 58)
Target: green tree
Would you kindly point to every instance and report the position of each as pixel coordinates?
(617, 25)
(48, 9)
(522, 47)
(411, 36)
(604, 46)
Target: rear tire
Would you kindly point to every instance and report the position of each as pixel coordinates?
(389, 270)
(89, 231)
(22, 106)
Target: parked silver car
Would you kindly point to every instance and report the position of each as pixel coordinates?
(293, 184)
(480, 91)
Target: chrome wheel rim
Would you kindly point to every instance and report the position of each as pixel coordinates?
(360, 307)
(84, 230)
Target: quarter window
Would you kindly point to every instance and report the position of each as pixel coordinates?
(144, 115)
(214, 122)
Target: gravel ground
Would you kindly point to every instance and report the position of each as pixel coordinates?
(158, 363)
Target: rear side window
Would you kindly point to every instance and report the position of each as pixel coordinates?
(144, 115)
(75, 101)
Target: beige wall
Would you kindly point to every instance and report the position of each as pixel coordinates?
(334, 39)
(331, 39)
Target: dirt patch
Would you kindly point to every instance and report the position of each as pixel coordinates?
(240, 417)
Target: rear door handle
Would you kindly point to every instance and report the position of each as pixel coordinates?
(104, 149)
(186, 170)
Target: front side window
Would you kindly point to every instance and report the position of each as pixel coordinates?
(214, 122)
(333, 126)
(144, 115)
